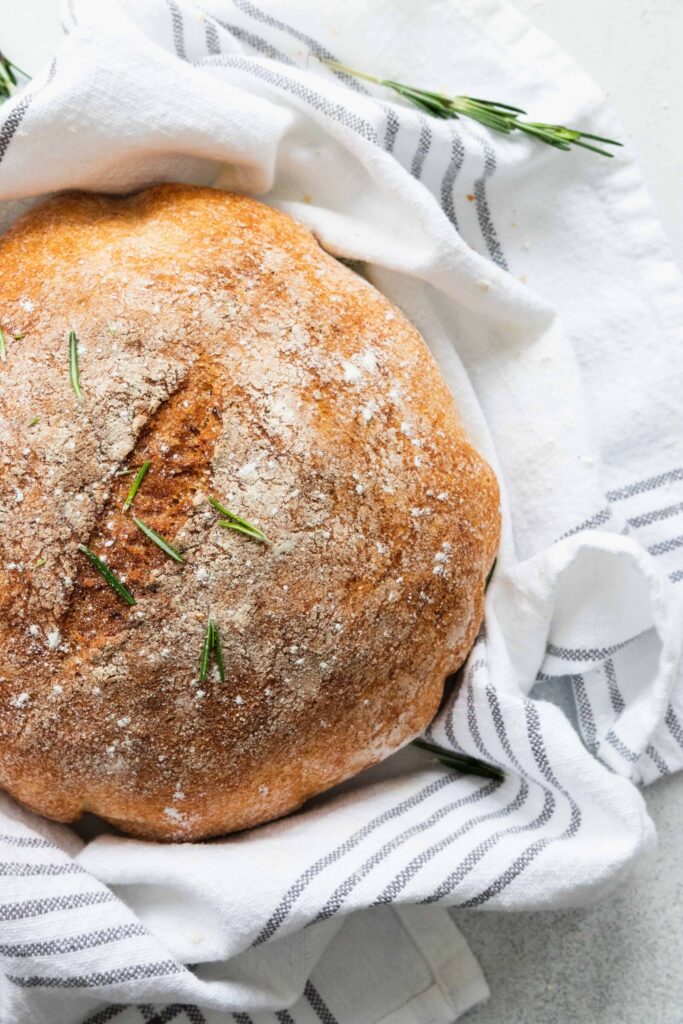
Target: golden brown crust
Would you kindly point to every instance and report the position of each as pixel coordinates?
(218, 340)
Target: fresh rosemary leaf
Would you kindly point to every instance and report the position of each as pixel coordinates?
(18, 337)
(35, 421)
(211, 645)
(162, 544)
(491, 572)
(3, 346)
(462, 762)
(234, 522)
(499, 117)
(135, 486)
(207, 648)
(40, 563)
(247, 531)
(219, 508)
(8, 77)
(218, 652)
(107, 574)
(74, 372)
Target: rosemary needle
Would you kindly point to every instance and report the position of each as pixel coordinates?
(40, 563)
(218, 652)
(248, 531)
(35, 421)
(135, 486)
(8, 77)
(462, 762)
(74, 372)
(110, 576)
(3, 347)
(211, 645)
(234, 522)
(207, 648)
(490, 575)
(500, 117)
(162, 544)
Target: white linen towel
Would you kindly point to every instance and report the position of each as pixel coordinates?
(544, 288)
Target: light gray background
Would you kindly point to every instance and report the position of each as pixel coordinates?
(621, 962)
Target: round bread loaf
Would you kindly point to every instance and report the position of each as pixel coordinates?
(217, 340)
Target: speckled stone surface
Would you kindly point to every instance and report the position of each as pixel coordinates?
(617, 963)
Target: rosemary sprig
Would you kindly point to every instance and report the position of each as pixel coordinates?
(74, 372)
(162, 544)
(8, 77)
(135, 486)
(461, 762)
(110, 577)
(3, 347)
(211, 645)
(500, 117)
(234, 522)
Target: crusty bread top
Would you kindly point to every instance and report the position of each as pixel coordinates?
(218, 340)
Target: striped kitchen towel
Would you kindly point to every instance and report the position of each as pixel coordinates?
(543, 285)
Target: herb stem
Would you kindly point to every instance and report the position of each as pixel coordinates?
(135, 486)
(461, 762)
(336, 65)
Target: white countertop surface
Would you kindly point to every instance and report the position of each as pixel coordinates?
(620, 962)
